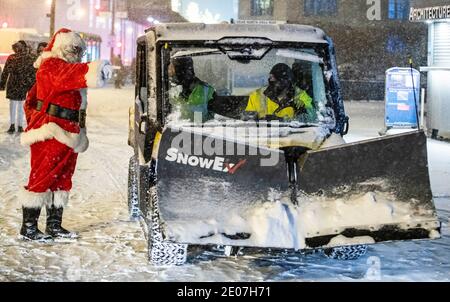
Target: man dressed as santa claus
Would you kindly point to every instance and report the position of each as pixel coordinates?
(55, 110)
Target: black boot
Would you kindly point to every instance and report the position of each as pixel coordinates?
(19, 129)
(29, 228)
(11, 129)
(54, 220)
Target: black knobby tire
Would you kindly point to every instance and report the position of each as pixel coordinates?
(351, 252)
(133, 192)
(160, 251)
(146, 179)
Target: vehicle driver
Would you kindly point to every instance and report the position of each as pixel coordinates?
(281, 99)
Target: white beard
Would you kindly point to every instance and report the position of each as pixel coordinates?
(72, 58)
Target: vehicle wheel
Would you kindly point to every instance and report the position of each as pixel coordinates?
(133, 199)
(160, 251)
(146, 179)
(351, 252)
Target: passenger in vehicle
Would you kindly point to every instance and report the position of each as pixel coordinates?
(303, 76)
(196, 97)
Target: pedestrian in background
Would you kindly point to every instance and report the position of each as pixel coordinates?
(119, 74)
(41, 48)
(17, 78)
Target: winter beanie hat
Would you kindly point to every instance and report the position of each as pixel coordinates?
(282, 71)
(184, 69)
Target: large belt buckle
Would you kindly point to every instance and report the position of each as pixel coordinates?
(82, 118)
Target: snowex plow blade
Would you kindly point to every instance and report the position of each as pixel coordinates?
(359, 193)
(375, 190)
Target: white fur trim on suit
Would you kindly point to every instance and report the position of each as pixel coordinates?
(60, 199)
(42, 57)
(53, 130)
(94, 78)
(34, 200)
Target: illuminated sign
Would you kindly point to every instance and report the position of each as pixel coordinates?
(429, 13)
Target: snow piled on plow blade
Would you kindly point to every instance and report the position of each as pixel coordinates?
(358, 193)
(281, 224)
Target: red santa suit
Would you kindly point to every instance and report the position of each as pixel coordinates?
(54, 141)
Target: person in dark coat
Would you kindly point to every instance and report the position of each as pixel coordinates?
(120, 72)
(17, 78)
(41, 48)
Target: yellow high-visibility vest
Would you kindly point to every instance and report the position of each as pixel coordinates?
(263, 105)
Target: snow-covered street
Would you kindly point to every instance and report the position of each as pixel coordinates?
(111, 248)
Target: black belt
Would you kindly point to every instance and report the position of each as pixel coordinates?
(60, 112)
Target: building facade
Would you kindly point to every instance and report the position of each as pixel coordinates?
(436, 15)
(370, 36)
(93, 18)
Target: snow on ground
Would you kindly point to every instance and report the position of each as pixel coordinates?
(112, 248)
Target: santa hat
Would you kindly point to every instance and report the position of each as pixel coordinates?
(62, 39)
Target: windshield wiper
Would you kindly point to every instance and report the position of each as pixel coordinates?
(244, 48)
(197, 53)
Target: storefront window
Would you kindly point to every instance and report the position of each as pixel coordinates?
(399, 9)
(262, 7)
(321, 7)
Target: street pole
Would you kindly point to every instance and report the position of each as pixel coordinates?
(113, 32)
(52, 18)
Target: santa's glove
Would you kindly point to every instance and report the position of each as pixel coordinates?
(83, 142)
(107, 70)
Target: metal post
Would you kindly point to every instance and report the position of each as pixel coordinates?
(113, 31)
(52, 18)
(422, 109)
(414, 93)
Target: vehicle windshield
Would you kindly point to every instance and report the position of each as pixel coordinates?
(245, 83)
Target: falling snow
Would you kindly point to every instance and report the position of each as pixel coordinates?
(112, 248)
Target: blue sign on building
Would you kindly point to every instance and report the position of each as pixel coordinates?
(402, 97)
